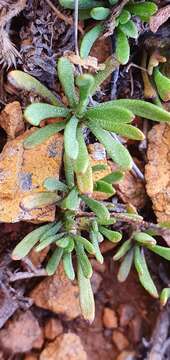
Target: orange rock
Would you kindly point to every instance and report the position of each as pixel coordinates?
(22, 172)
(11, 119)
(22, 334)
(98, 157)
(120, 340)
(157, 171)
(53, 328)
(58, 294)
(110, 320)
(31, 357)
(65, 347)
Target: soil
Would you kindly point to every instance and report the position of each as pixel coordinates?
(41, 36)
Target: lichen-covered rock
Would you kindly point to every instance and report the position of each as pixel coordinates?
(11, 119)
(22, 172)
(157, 171)
(58, 294)
(65, 347)
(22, 334)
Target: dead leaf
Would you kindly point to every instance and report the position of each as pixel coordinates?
(89, 63)
(159, 18)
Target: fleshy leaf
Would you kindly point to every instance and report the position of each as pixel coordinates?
(143, 9)
(71, 201)
(163, 85)
(143, 273)
(124, 17)
(99, 167)
(70, 141)
(89, 39)
(66, 77)
(41, 135)
(161, 251)
(39, 200)
(54, 261)
(140, 108)
(94, 233)
(122, 47)
(86, 296)
(85, 181)
(129, 29)
(53, 184)
(24, 81)
(144, 238)
(125, 266)
(82, 161)
(100, 13)
(85, 83)
(83, 4)
(113, 236)
(37, 112)
(69, 171)
(126, 130)
(87, 244)
(63, 242)
(98, 208)
(84, 261)
(52, 231)
(117, 152)
(48, 241)
(68, 266)
(111, 64)
(28, 242)
(124, 248)
(103, 186)
(114, 177)
(112, 115)
(165, 295)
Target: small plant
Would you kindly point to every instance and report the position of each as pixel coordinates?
(112, 19)
(76, 231)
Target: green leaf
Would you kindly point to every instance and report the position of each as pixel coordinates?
(86, 296)
(37, 112)
(160, 250)
(63, 242)
(82, 162)
(124, 248)
(124, 17)
(28, 242)
(85, 181)
(94, 240)
(113, 2)
(103, 186)
(122, 47)
(71, 145)
(84, 14)
(84, 261)
(89, 39)
(71, 201)
(26, 82)
(39, 200)
(109, 115)
(41, 135)
(98, 208)
(129, 29)
(143, 9)
(99, 167)
(163, 85)
(53, 184)
(140, 108)
(117, 152)
(165, 295)
(113, 236)
(47, 241)
(54, 261)
(52, 231)
(83, 4)
(111, 64)
(85, 83)
(100, 13)
(128, 131)
(144, 238)
(68, 266)
(114, 177)
(87, 244)
(66, 77)
(70, 247)
(125, 266)
(69, 171)
(143, 272)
